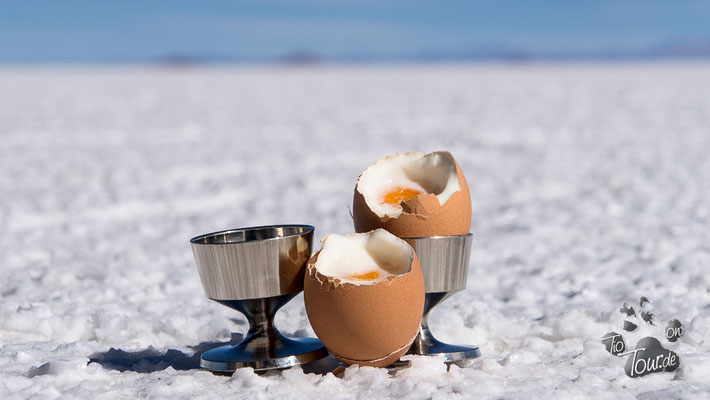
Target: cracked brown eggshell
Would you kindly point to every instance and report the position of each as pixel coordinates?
(422, 215)
(369, 325)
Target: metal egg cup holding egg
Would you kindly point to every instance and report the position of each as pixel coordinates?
(444, 261)
(257, 270)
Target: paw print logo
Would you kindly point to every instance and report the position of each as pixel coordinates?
(648, 356)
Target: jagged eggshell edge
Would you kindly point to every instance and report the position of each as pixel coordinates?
(422, 215)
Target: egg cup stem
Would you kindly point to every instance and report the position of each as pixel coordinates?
(425, 344)
(264, 347)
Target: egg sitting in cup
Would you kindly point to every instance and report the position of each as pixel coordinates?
(364, 296)
(413, 195)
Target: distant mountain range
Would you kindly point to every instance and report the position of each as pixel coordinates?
(681, 50)
(699, 49)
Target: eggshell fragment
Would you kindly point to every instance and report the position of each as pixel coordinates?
(369, 325)
(422, 215)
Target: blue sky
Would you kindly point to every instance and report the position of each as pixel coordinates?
(82, 30)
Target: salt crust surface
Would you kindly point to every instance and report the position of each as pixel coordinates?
(590, 187)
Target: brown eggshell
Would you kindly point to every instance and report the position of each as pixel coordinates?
(421, 216)
(368, 325)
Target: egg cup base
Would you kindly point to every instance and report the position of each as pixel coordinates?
(452, 354)
(227, 359)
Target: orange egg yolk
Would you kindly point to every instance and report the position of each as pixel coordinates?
(364, 277)
(398, 195)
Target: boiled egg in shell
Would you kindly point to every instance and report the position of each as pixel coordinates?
(364, 296)
(413, 195)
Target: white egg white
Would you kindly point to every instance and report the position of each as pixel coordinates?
(426, 173)
(344, 257)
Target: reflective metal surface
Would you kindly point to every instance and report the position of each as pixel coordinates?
(256, 271)
(444, 261)
(263, 347)
(252, 263)
(426, 344)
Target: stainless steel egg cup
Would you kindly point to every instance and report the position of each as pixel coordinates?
(256, 271)
(444, 261)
